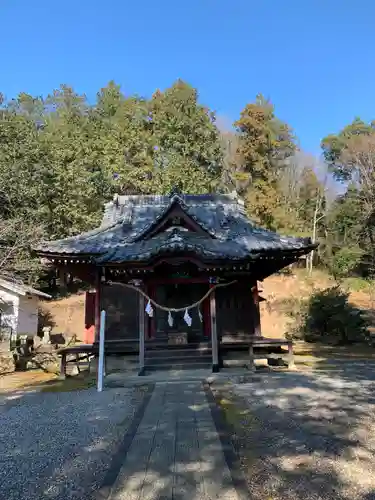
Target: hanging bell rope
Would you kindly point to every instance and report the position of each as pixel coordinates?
(172, 309)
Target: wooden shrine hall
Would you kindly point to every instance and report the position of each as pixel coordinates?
(177, 276)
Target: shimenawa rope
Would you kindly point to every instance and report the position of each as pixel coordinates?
(172, 309)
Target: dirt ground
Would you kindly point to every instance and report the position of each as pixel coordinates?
(24, 380)
(306, 434)
(66, 315)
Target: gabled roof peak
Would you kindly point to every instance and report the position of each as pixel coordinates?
(175, 191)
(176, 198)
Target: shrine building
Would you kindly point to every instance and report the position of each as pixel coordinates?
(176, 274)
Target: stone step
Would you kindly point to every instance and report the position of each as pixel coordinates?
(169, 360)
(158, 344)
(178, 353)
(178, 366)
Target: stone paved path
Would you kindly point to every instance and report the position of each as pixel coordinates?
(176, 452)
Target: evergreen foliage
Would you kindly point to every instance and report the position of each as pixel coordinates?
(328, 317)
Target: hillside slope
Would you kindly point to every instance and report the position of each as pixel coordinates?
(67, 315)
(278, 289)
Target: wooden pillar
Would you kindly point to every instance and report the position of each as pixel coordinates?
(62, 374)
(147, 322)
(97, 304)
(291, 364)
(62, 280)
(251, 357)
(152, 321)
(257, 326)
(206, 318)
(215, 348)
(141, 335)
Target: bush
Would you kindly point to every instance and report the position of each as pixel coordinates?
(327, 316)
(345, 261)
(357, 284)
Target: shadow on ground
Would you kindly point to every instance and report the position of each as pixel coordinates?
(307, 435)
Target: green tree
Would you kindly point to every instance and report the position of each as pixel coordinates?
(351, 157)
(265, 144)
(109, 100)
(20, 153)
(186, 144)
(345, 234)
(334, 146)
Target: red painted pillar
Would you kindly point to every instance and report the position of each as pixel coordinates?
(97, 304)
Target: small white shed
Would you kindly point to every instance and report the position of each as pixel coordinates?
(19, 307)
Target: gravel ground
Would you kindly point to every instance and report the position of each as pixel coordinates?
(60, 445)
(307, 435)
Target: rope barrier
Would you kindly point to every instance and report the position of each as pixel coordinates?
(172, 309)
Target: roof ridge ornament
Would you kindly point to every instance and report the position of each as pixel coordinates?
(176, 195)
(175, 235)
(175, 191)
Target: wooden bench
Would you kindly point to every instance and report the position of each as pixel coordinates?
(82, 352)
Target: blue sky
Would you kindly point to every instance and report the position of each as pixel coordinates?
(313, 58)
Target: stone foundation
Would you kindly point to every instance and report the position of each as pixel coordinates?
(116, 364)
(7, 364)
(48, 361)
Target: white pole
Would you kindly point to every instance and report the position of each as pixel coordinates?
(141, 334)
(101, 351)
(214, 341)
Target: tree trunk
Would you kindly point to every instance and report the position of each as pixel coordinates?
(315, 224)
